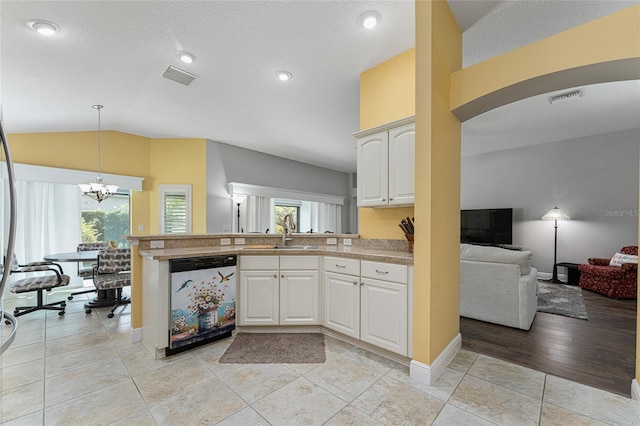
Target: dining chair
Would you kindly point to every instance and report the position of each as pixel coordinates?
(53, 277)
(112, 272)
(87, 272)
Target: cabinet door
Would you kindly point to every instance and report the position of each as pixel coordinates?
(299, 298)
(342, 304)
(384, 315)
(259, 298)
(402, 165)
(372, 166)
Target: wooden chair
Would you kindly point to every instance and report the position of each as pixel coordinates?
(112, 272)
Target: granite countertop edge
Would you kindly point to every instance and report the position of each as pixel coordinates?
(342, 251)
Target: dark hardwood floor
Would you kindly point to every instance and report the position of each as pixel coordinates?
(600, 352)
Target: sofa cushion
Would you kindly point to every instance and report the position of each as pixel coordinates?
(497, 255)
(619, 258)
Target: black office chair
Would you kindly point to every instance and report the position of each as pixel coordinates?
(87, 272)
(55, 277)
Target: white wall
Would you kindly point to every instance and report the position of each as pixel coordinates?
(593, 179)
(227, 163)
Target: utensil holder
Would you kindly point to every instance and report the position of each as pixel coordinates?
(410, 240)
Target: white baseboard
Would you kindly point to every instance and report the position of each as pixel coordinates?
(428, 374)
(136, 335)
(635, 396)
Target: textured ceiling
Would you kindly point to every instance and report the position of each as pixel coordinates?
(114, 53)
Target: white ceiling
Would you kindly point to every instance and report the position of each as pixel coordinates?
(114, 53)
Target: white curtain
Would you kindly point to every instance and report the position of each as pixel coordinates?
(327, 217)
(258, 214)
(48, 221)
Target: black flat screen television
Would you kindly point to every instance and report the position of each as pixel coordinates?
(486, 226)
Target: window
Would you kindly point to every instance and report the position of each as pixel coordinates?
(106, 221)
(175, 209)
(284, 209)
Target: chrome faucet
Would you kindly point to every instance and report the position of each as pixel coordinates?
(289, 227)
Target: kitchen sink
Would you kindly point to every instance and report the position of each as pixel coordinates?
(269, 247)
(296, 247)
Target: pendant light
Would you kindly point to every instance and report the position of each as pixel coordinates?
(98, 190)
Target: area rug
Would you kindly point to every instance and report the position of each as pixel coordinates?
(561, 299)
(275, 348)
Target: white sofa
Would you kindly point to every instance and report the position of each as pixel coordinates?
(498, 285)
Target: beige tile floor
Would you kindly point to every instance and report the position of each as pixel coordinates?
(83, 370)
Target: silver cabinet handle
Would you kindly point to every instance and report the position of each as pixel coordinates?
(340, 266)
(362, 283)
(382, 272)
(282, 276)
(384, 199)
(355, 283)
(275, 276)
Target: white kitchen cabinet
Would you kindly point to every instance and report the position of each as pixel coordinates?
(299, 297)
(279, 290)
(368, 302)
(342, 303)
(384, 306)
(260, 299)
(386, 165)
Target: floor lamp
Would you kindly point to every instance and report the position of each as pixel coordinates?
(238, 199)
(555, 214)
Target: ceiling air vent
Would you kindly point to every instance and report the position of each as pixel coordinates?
(563, 97)
(179, 76)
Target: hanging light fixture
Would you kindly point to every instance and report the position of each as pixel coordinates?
(98, 190)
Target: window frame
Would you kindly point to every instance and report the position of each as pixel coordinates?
(173, 189)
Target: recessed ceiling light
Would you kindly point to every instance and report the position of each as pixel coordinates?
(186, 57)
(370, 19)
(43, 27)
(283, 75)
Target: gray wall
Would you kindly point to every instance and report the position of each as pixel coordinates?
(227, 163)
(593, 179)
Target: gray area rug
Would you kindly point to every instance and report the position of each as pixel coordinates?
(561, 299)
(275, 348)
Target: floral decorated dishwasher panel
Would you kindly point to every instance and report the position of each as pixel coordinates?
(203, 305)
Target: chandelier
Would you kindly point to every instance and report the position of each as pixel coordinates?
(98, 190)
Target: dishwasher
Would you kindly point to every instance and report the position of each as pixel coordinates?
(202, 301)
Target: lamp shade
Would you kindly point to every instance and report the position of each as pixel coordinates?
(555, 214)
(238, 198)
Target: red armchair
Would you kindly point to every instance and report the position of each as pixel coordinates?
(618, 282)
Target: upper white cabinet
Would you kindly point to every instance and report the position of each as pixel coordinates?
(386, 165)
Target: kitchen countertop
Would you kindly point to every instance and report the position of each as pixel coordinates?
(361, 253)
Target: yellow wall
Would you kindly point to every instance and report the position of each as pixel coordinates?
(170, 161)
(387, 94)
(437, 204)
(613, 42)
(180, 161)
(606, 49)
(387, 91)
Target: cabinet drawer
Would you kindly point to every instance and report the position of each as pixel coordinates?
(384, 271)
(259, 262)
(342, 266)
(292, 263)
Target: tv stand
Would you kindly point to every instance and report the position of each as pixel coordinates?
(504, 246)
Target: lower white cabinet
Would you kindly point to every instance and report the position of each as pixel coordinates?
(374, 310)
(342, 303)
(299, 297)
(279, 290)
(260, 298)
(383, 314)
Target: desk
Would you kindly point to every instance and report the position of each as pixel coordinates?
(106, 298)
